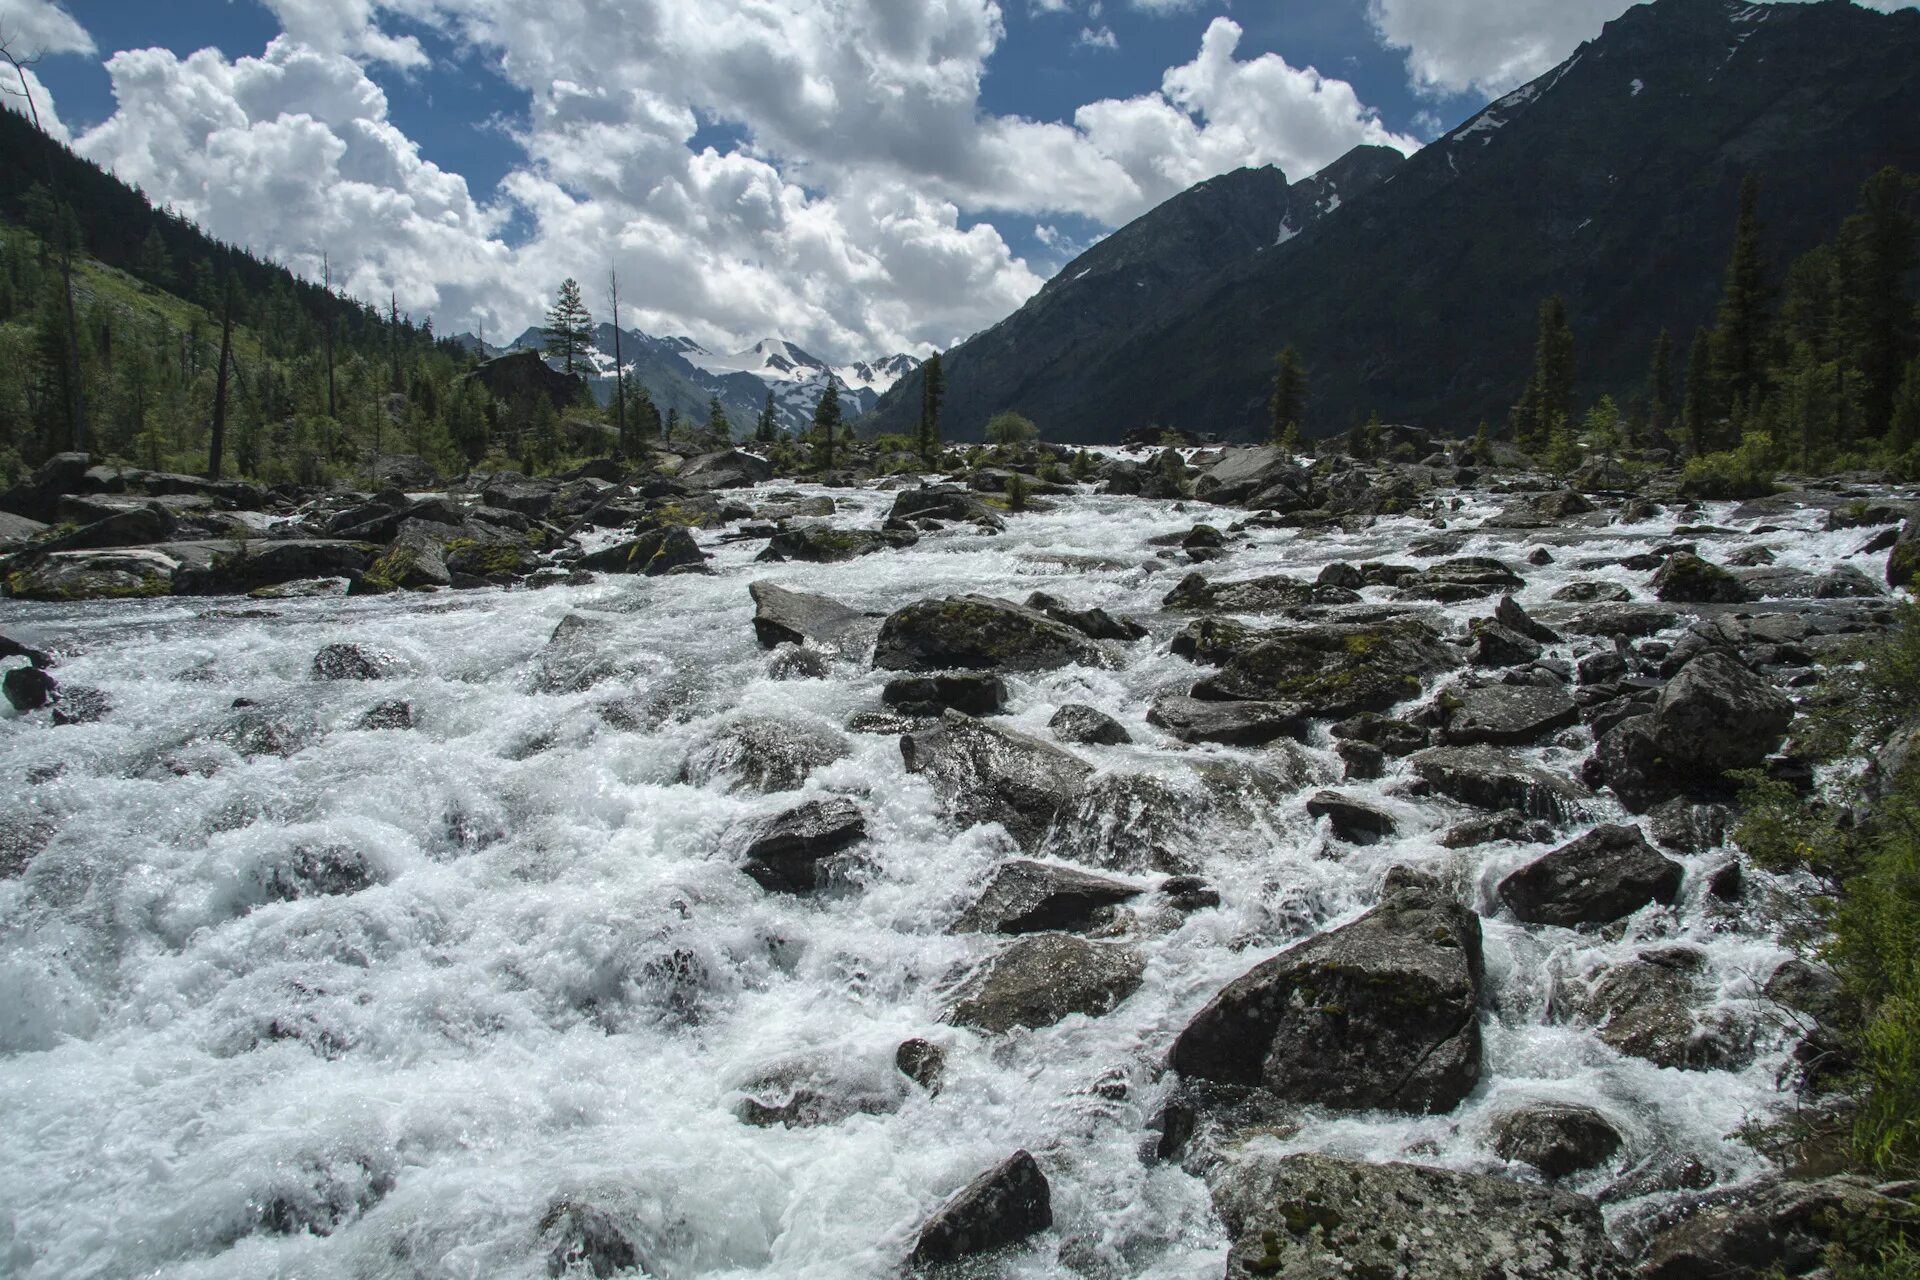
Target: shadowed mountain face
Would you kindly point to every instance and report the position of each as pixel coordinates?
(1612, 179)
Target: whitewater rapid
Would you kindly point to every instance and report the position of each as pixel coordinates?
(561, 979)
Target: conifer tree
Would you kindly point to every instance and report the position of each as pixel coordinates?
(1289, 397)
(1660, 391)
(826, 422)
(569, 328)
(1742, 325)
(671, 427)
(933, 391)
(718, 424)
(1879, 242)
(1903, 430)
(1696, 408)
(1549, 393)
(765, 430)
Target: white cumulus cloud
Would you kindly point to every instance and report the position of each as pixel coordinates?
(32, 27)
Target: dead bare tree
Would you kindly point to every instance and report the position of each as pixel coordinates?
(64, 235)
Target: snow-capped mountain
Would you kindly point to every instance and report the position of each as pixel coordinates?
(681, 374)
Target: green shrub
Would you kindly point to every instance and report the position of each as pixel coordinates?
(1746, 472)
(1007, 427)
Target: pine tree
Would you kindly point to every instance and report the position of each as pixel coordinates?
(826, 421)
(933, 391)
(1879, 240)
(671, 427)
(156, 264)
(1289, 397)
(1742, 325)
(1660, 391)
(569, 328)
(1549, 393)
(766, 430)
(1696, 409)
(718, 424)
(643, 421)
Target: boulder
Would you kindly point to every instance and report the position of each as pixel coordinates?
(1462, 578)
(1644, 1008)
(1334, 670)
(921, 1061)
(831, 546)
(1236, 723)
(1714, 716)
(1506, 714)
(1043, 977)
(1095, 624)
(1003, 1206)
(38, 496)
(253, 566)
(786, 850)
(1687, 579)
(312, 871)
(782, 617)
(1607, 873)
(763, 753)
(653, 553)
(1033, 897)
(1272, 594)
(946, 503)
(1510, 824)
(353, 662)
(1318, 1216)
(1779, 1230)
(982, 773)
(394, 714)
(978, 693)
(1592, 592)
(133, 528)
(1379, 1013)
(1132, 822)
(586, 1236)
(808, 1093)
(1495, 645)
(981, 633)
(732, 469)
(1352, 821)
(1903, 559)
(1496, 778)
(1081, 724)
(1242, 473)
(1685, 827)
(129, 573)
(29, 688)
(1557, 1138)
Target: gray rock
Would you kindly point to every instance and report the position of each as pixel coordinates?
(945, 502)
(1335, 670)
(785, 852)
(1904, 557)
(1462, 578)
(29, 688)
(1557, 1138)
(1607, 873)
(1784, 1229)
(654, 553)
(1034, 897)
(1078, 723)
(1644, 1008)
(1496, 778)
(807, 1094)
(1133, 822)
(1235, 723)
(1003, 1206)
(1495, 645)
(353, 662)
(587, 1236)
(1274, 594)
(782, 617)
(1095, 624)
(395, 714)
(921, 1061)
(832, 546)
(1688, 579)
(1043, 977)
(1713, 717)
(983, 773)
(1686, 827)
(1506, 714)
(1317, 1217)
(128, 573)
(1352, 821)
(732, 469)
(1381, 1012)
(1592, 592)
(978, 693)
(981, 633)
(311, 871)
(763, 753)
(1508, 825)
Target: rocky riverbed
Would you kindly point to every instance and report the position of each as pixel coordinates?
(1228, 865)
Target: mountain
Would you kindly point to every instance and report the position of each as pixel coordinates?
(1612, 179)
(1140, 277)
(679, 373)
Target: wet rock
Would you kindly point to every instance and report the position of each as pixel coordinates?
(1557, 1138)
(353, 662)
(1463, 578)
(1604, 667)
(1688, 579)
(654, 553)
(1033, 897)
(1335, 670)
(1242, 473)
(1393, 737)
(130, 573)
(1726, 882)
(1496, 778)
(1644, 1008)
(1275, 594)
(982, 773)
(256, 566)
(923, 1062)
(946, 503)
(1814, 990)
(1497, 646)
(1237, 723)
(981, 633)
(13, 648)
(1510, 824)
(1687, 827)
(782, 617)
(1844, 582)
(1506, 714)
(810, 1094)
(786, 851)
(764, 753)
(1713, 717)
(1904, 557)
(587, 1237)
(137, 527)
(23, 835)
(730, 469)
(1509, 614)
(1780, 1230)
(1592, 592)
(318, 871)
(578, 656)
(29, 688)
(832, 546)
(1316, 1216)
(38, 496)
(1133, 822)
(1352, 821)
(793, 662)
(1003, 1206)
(1381, 1012)
(1607, 873)
(975, 692)
(1095, 624)
(1189, 893)
(1041, 978)
(396, 714)
(81, 704)
(1078, 723)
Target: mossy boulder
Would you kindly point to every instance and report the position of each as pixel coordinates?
(1039, 979)
(1379, 1013)
(1607, 873)
(982, 773)
(1687, 579)
(831, 546)
(979, 633)
(131, 573)
(653, 553)
(250, 566)
(1335, 670)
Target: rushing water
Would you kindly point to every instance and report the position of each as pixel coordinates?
(562, 980)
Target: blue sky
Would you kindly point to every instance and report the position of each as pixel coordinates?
(855, 175)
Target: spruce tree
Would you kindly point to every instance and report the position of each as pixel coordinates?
(1696, 408)
(718, 424)
(1742, 325)
(1549, 394)
(1660, 391)
(766, 429)
(671, 427)
(569, 328)
(1879, 241)
(933, 391)
(826, 422)
(1289, 398)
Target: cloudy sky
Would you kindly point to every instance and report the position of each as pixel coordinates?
(857, 176)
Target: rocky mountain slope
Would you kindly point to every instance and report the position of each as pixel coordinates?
(1612, 179)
